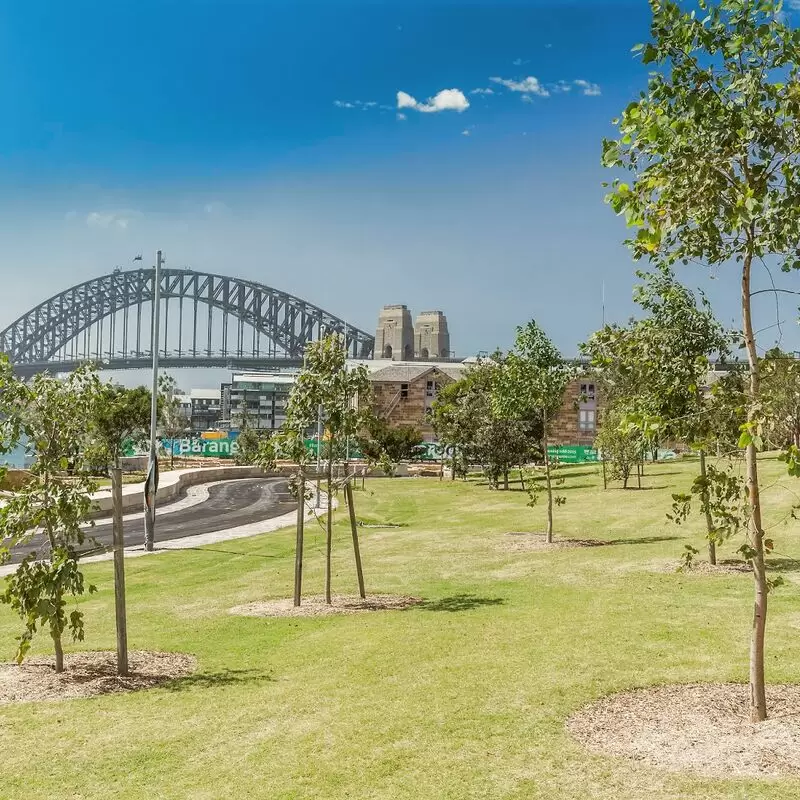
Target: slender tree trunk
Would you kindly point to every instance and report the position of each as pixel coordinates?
(298, 549)
(59, 650)
(712, 545)
(453, 464)
(758, 700)
(505, 480)
(329, 526)
(119, 572)
(548, 481)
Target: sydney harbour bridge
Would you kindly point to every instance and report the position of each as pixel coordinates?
(207, 320)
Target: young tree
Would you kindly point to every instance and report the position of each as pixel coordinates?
(780, 387)
(173, 422)
(345, 397)
(118, 416)
(532, 384)
(657, 368)
(381, 443)
(620, 445)
(457, 413)
(713, 148)
(53, 416)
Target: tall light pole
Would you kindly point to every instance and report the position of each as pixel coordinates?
(151, 483)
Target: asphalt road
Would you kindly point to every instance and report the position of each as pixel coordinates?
(230, 504)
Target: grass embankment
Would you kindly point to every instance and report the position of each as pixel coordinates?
(464, 696)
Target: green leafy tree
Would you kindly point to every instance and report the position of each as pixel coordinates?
(118, 416)
(620, 445)
(780, 387)
(249, 444)
(712, 145)
(173, 423)
(456, 415)
(532, 385)
(53, 416)
(384, 444)
(657, 368)
(345, 396)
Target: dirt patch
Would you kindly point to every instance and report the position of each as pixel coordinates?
(728, 567)
(699, 729)
(88, 675)
(317, 607)
(525, 542)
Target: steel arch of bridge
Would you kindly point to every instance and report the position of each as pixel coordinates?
(106, 314)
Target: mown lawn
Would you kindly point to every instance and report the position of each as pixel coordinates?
(463, 697)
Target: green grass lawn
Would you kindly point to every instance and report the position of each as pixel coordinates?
(463, 697)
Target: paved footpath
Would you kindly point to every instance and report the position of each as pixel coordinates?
(233, 509)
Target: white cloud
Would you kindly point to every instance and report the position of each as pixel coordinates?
(518, 62)
(529, 85)
(108, 219)
(446, 100)
(401, 116)
(526, 98)
(466, 132)
(589, 89)
(482, 91)
(560, 87)
(363, 105)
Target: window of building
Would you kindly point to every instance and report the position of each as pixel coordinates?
(587, 391)
(587, 419)
(403, 390)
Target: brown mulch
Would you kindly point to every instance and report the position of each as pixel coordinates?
(89, 674)
(317, 607)
(700, 729)
(726, 567)
(524, 541)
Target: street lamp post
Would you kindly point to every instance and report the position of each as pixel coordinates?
(151, 484)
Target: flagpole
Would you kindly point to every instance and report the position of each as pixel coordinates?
(151, 484)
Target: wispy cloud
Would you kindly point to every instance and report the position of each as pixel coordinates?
(446, 100)
(589, 89)
(561, 87)
(110, 219)
(529, 85)
(363, 105)
(482, 91)
(401, 116)
(518, 62)
(794, 5)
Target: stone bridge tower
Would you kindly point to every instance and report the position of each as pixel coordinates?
(431, 337)
(394, 338)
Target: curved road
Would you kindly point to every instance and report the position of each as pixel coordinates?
(230, 504)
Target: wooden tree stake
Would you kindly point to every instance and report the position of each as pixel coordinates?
(348, 489)
(298, 550)
(119, 572)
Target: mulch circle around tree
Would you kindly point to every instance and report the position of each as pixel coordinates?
(703, 729)
(89, 674)
(316, 606)
(523, 541)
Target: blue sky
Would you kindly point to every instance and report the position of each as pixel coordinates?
(264, 139)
